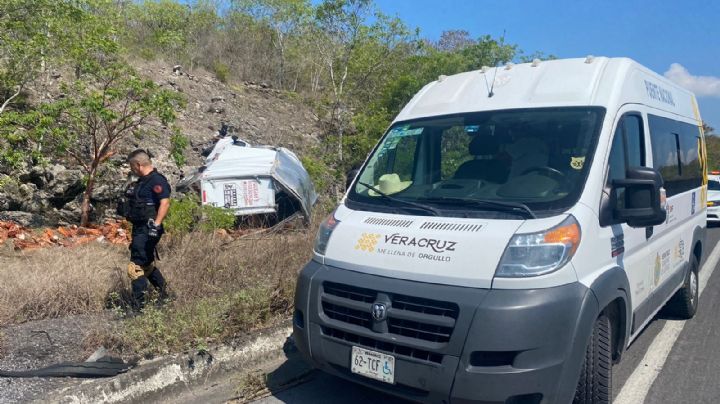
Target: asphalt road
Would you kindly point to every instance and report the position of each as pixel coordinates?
(672, 361)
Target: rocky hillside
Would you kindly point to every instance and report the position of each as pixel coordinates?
(51, 194)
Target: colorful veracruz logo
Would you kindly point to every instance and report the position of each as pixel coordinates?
(396, 244)
(367, 242)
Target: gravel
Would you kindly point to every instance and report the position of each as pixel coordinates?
(38, 344)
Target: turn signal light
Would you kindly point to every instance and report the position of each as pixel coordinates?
(568, 235)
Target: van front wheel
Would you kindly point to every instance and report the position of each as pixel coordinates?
(595, 383)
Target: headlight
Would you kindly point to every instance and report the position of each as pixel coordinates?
(540, 253)
(713, 203)
(323, 235)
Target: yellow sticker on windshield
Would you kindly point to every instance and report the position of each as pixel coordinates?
(577, 163)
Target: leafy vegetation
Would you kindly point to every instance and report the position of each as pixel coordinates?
(355, 65)
(178, 145)
(187, 214)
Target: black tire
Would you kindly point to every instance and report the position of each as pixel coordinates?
(684, 302)
(595, 383)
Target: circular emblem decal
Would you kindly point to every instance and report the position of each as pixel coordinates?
(157, 188)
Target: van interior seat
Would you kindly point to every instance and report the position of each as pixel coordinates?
(484, 166)
(528, 152)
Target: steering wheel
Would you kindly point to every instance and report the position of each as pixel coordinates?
(549, 171)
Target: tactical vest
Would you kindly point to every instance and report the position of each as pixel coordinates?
(134, 208)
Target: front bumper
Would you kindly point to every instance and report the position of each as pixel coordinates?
(451, 344)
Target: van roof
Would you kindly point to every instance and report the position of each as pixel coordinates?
(591, 81)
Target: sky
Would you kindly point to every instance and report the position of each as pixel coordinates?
(678, 39)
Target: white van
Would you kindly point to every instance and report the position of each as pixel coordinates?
(510, 235)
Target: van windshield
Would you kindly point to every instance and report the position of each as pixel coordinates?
(482, 164)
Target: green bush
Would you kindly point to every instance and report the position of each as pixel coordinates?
(320, 173)
(186, 214)
(182, 215)
(214, 218)
(222, 71)
(178, 144)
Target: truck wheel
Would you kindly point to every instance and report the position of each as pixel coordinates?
(685, 301)
(595, 383)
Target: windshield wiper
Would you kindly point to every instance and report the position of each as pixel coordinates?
(385, 196)
(516, 207)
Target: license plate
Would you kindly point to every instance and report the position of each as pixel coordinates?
(374, 365)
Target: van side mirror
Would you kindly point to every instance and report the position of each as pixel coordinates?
(639, 199)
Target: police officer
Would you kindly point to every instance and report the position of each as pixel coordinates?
(146, 202)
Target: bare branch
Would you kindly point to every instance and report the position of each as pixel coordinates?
(7, 102)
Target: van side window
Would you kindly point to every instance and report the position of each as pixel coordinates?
(635, 140)
(675, 153)
(617, 163)
(628, 148)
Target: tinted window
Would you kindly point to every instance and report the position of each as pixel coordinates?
(627, 151)
(539, 157)
(634, 140)
(617, 166)
(675, 148)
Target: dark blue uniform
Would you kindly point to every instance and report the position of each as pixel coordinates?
(143, 200)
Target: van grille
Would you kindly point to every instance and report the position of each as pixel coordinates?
(407, 316)
(395, 349)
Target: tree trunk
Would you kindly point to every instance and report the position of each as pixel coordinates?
(341, 129)
(340, 144)
(85, 207)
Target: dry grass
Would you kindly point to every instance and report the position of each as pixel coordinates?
(56, 282)
(199, 264)
(221, 288)
(252, 386)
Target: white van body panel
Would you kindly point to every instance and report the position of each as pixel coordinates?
(248, 195)
(607, 82)
(447, 250)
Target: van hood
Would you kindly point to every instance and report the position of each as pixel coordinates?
(444, 250)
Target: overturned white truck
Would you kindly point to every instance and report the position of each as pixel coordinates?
(253, 180)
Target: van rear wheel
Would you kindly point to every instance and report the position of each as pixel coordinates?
(595, 383)
(685, 301)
